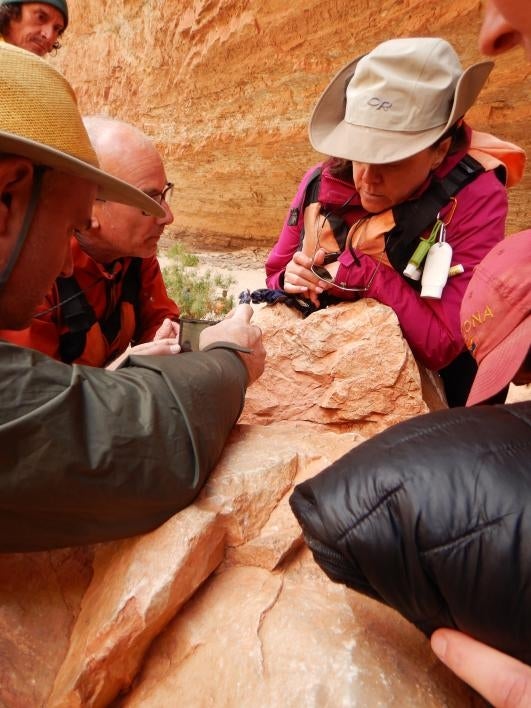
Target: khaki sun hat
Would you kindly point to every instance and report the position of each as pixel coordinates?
(40, 120)
(395, 101)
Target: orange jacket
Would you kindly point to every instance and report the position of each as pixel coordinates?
(118, 320)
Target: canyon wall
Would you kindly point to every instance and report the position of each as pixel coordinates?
(226, 87)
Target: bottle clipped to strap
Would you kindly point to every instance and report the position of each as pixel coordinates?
(437, 267)
(413, 269)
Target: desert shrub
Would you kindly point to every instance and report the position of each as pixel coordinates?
(202, 295)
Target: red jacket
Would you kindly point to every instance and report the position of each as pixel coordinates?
(136, 322)
(431, 327)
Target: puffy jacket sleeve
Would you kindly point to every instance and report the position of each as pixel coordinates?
(87, 455)
(154, 303)
(433, 517)
(432, 327)
(288, 241)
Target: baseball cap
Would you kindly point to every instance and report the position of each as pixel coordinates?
(496, 315)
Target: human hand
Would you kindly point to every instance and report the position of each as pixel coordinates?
(168, 330)
(500, 679)
(160, 347)
(299, 279)
(236, 328)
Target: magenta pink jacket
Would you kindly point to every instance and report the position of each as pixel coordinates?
(431, 327)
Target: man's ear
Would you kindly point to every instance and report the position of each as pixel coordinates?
(16, 178)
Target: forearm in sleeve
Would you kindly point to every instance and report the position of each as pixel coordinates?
(88, 455)
(438, 531)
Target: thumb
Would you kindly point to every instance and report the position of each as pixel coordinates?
(243, 313)
(319, 256)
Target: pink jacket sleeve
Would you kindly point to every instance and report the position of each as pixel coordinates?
(288, 241)
(154, 303)
(432, 327)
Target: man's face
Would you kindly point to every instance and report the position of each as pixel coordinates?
(38, 28)
(121, 230)
(506, 24)
(65, 204)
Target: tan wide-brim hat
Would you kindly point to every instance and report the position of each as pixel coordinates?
(40, 120)
(395, 101)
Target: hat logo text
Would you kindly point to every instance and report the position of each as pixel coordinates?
(379, 104)
(478, 318)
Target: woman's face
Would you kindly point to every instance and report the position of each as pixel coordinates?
(384, 186)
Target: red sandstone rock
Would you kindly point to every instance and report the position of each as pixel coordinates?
(254, 638)
(270, 617)
(347, 367)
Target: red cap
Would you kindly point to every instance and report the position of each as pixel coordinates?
(496, 315)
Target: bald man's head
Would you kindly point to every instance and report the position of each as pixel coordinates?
(126, 152)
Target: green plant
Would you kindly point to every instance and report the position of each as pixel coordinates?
(202, 295)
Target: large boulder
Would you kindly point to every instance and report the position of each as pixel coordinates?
(142, 619)
(347, 367)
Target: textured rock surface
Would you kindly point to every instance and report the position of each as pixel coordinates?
(291, 639)
(79, 623)
(226, 88)
(40, 601)
(138, 586)
(347, 367)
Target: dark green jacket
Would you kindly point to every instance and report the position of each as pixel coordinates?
(88, 455)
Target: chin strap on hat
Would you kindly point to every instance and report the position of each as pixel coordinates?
(26, 224)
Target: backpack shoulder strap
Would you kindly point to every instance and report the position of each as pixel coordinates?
(130, 293)
(77, 315)
(311, 194)
(413, 218)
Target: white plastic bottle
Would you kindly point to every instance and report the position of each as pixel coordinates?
(435, 273)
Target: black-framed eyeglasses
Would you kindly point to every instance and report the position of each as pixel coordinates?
(163, 196)
(322, 272)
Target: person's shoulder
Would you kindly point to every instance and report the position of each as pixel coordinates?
(312, 171)
(485, 186)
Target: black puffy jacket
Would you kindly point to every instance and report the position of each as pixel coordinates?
(433, 517)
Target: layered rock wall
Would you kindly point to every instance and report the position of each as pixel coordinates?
(226, 88)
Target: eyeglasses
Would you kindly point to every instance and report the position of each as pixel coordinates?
(330, 257)
(163, 196)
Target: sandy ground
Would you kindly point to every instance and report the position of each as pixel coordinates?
(245, 266)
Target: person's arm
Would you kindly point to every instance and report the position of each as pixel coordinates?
(288, 241)
(88, 455)
(154, 304)
(432, 327)
(503, 681)
(424, 515)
